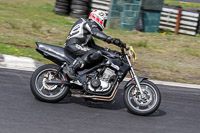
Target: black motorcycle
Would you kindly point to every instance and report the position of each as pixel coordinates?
(50, 83)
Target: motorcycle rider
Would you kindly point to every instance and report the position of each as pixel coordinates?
(81, 44)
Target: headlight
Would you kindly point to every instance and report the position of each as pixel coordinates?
(132, 53)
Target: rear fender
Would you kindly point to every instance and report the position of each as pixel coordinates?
(51, 56)
(54, 53)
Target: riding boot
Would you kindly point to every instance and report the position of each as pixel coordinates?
(71, 69)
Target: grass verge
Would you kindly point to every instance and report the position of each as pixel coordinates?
(162, 56)
(182, 4)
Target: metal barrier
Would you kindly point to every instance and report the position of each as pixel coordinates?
(179, 20)
(103, 5)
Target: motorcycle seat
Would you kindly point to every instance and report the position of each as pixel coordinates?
(55, 51)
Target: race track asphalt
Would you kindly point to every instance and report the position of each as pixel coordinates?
(20, 112)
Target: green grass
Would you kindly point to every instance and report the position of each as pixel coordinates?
(177, 3)
(162, 56)
(191, 52)
(21, 51)
(139, 44)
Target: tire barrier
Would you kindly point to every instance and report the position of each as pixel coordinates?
(80, 8)
(62, 7)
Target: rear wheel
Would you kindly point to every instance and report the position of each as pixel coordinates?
(142, 105)
(46, 92)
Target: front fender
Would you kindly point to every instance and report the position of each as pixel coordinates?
(130, 82)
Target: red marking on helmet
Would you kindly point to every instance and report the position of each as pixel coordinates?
(95, 10)
(101, 22)
(93, 16)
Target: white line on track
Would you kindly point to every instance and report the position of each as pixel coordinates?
(28, 64)
(172, 84)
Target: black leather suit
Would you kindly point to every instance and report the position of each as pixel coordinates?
(80, 42)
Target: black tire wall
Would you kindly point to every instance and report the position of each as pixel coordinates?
(62, 7)
(80, 8)
(74, 8)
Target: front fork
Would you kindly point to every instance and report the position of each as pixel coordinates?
(134, 76)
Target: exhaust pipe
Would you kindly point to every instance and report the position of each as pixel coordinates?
(100, 98)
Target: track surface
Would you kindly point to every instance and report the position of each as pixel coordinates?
(21, 113)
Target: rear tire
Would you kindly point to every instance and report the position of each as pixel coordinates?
(78, 15)
(79, 2)
(43, 91)
(61, 11)
(62, 4)
(80, 12)
(63, 1)
(62, 7)
(79, 7)
(139, 106)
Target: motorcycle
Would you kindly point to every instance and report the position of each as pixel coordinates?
(50, 83)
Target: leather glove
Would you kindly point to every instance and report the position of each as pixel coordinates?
(119, 43)
(116, 41)
(123, 45)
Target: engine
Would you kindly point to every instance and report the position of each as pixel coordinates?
(102, 83)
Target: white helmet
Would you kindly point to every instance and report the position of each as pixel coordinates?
(99, 17)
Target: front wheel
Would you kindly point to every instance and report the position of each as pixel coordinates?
(46, 92)
(142, 105)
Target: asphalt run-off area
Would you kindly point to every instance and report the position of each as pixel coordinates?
(179, 111)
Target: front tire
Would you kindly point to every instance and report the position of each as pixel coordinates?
(139, 105)
(43, 91)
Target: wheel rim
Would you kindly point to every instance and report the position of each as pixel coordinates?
(49, 91)
(147, 102)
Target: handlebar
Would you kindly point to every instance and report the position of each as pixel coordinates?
(122, 48)
(120, 44)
